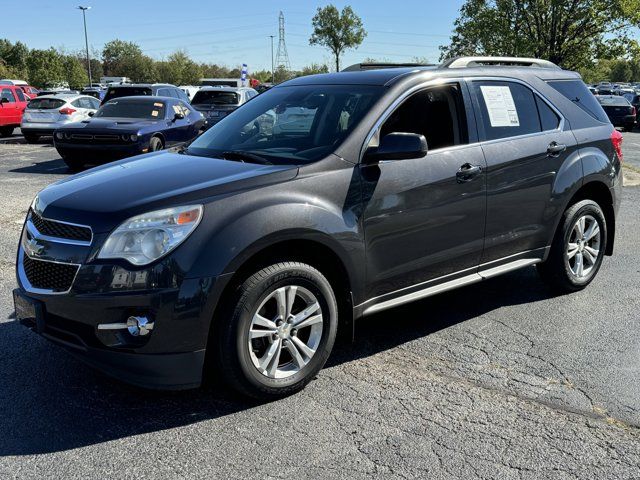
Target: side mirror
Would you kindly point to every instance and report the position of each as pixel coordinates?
(4, 100)
(397, 146)
(178, 116)
(91, 114)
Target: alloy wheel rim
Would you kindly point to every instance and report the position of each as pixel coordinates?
(285, 332)
(583, 246)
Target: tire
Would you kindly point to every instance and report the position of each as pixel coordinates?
(6, 131)
(629, 128)
(562, 269)
(155, 144)
(31, 138)
(74, 164)
(238, 358)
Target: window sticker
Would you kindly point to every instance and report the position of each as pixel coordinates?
(154, 113)
(157, 104)
(500, 105)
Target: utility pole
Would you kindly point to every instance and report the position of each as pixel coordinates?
(86, 40)
(273, 68)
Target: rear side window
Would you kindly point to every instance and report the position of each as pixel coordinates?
(579, 94)
(45, 104)
(508, 109)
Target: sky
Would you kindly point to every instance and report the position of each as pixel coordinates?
(232, 32)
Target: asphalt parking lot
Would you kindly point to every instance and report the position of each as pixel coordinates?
(512, 382)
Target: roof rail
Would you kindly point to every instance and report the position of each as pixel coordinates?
(468, 62)
(358, 67)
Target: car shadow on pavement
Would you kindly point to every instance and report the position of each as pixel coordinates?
(51, 402)
(46, 167)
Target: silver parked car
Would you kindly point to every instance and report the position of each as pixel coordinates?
(215, 103)
(45, 114)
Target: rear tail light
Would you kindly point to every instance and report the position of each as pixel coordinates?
(66, 111)
(616, 140)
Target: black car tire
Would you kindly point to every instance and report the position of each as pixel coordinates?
(233, 357)
(74, 163)
(629, 128)
(155, 144)
(557, 270)
(31, 138)
(6, 131)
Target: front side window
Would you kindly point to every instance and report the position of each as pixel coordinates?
(20, 95)
(437, 113)
(8, 95)
(153, 110)
(295, 125)
(507, 109)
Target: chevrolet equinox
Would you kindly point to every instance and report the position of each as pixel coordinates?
(324, 200)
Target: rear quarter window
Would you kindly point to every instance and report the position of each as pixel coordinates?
(579, 94)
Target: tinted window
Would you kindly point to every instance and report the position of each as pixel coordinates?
(95, 104)
(77, 103)
(8, 94)
(436, 113)
(126, 92)
(164, 92)
(508, 109)
(548, 118)
(283, 126)
(578, 93)
(21, 96)
(45, 103)
(143, 109)
(215, 97)
(614, 101)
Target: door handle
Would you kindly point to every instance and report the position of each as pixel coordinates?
(468, 172)
(554, 149)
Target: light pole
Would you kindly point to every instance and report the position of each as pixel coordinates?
(86, 40)
(273, 75)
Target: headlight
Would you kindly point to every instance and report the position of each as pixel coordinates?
(129, 137)
(133, 137)
(150, 236)
(59, 135)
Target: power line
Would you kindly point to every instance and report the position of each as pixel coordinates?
(282, 58)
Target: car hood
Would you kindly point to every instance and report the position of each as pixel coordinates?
(104, 197)
(119, 124)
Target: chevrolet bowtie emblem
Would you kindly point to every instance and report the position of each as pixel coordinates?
(33, 248)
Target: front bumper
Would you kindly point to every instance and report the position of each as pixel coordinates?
(100, 152)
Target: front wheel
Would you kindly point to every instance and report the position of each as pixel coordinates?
(155, 144)
(75, 164)
(577, 249)
(278, 332)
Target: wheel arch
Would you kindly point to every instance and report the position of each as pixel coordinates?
(600, 193)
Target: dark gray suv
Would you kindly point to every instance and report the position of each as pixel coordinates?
(324, 200)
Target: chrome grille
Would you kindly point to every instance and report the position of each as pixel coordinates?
(54, 277)
(66, 231)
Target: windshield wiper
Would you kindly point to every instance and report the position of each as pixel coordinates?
(243, 156)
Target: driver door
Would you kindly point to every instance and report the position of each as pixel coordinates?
(424, 218)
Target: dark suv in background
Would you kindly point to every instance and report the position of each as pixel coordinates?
(324, 200)
(139, 89)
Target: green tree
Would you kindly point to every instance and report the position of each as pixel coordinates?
(570, 33)
(337, 31)
(75, 72)
(313, 69)
(45, 67)
(125, 59)
(620, 71)
(14, 56)
(179, 69)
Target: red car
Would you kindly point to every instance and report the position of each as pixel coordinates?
(29, 91)
(13, 101)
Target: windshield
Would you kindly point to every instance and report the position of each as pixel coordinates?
(149, 110)
(126, 92)
(209, 97)
(298, 124)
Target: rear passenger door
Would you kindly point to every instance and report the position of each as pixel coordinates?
(9, 108)
(525, 143)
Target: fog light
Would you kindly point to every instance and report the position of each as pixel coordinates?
(139, 326)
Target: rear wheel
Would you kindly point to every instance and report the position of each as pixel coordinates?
(31, 138)
(155, 144)
(578, 248)
(278, 332)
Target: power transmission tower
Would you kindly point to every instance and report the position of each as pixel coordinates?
(282, 57)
